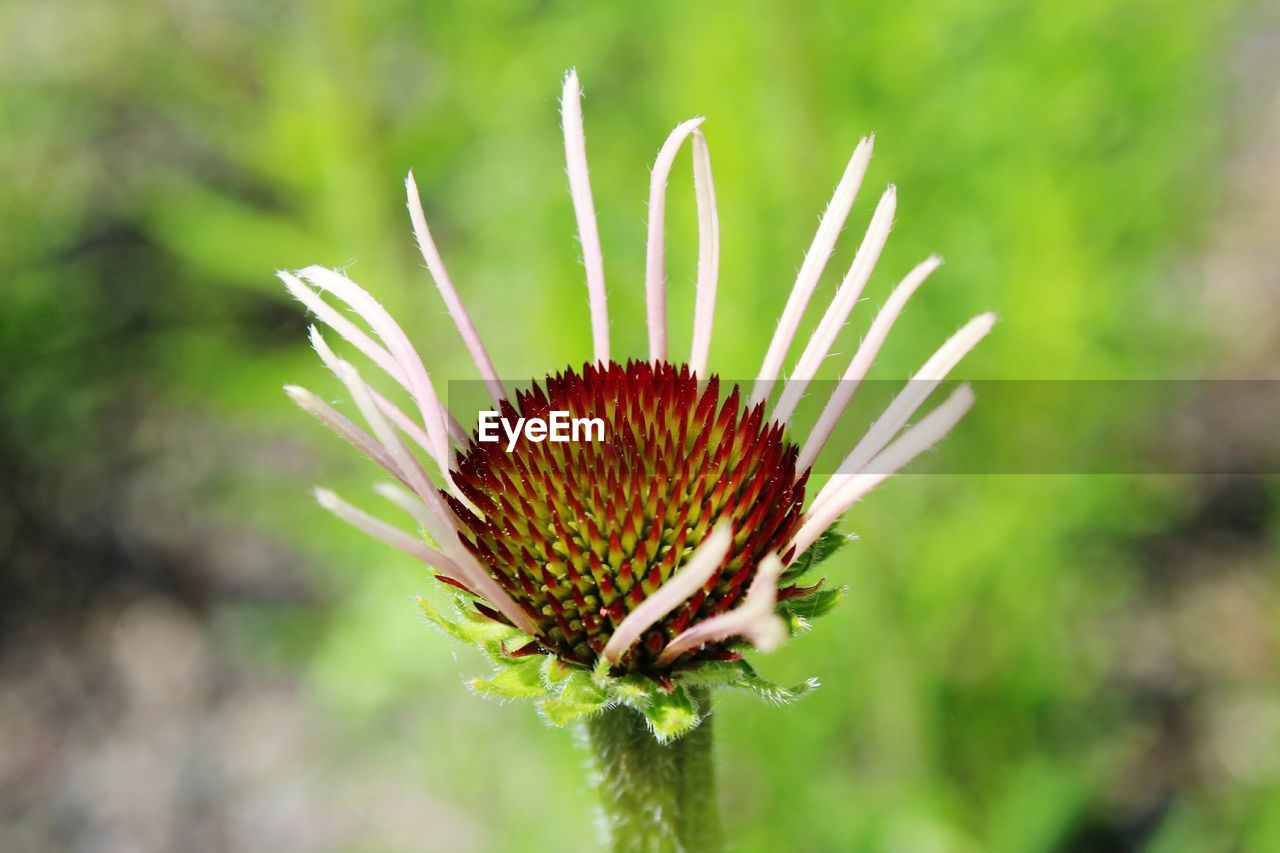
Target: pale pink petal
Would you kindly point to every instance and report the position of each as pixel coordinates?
(655, 268)
(815, 261)
(457, 310)
(841, 306)
(397, 343)
(862, 360)
(754, 619)
(687, 580)
(406, 424)
(456, 431)
(910, 398)
(384, 532)
(575, 150)
(406, 500)
(344, 327)
(344, 427)
(846, 489)
(704, 308)
(365, 344)
(443, 524)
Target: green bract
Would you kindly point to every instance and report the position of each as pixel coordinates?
(566, 692)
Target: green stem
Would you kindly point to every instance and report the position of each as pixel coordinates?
(656, 797)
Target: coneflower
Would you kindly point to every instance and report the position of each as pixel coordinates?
(618, 580)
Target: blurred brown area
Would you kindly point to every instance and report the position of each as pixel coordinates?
(1202, 645)
(130, 720)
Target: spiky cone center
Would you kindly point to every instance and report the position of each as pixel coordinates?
(580, 533)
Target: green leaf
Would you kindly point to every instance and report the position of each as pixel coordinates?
(671, 715)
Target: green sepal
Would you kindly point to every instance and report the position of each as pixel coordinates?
(671, 715)
(633, 689)
(561, 712)
(711, 674)
(555, 672)
(566, 692)
(772, 693)
(579, 697)
(601, 673)
(581, 690)
(799, 611)
(492, 637)
(473, 628)
(446, 626)
(521, 680)
(819, 552)
(741, 674)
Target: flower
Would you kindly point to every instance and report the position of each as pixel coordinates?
(637, 565)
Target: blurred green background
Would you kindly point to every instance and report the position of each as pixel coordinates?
(195, 657)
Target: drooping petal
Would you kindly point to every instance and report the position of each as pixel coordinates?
(406, 424)
(405, 500)
(397, 343)
(442, 525)
(689, 579)
(344, 427)
(357, 337)
(386, 533)
(753, 619)
(344, 327)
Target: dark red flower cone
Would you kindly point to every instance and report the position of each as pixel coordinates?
(579, 533)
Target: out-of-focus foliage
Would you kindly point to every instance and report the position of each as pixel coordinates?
(1021, 663)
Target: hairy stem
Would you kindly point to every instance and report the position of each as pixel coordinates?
(656, 797)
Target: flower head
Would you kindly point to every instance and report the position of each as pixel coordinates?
(586, 535)
(643, 562)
